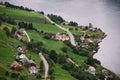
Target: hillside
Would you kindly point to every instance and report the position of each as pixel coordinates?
(66, 62)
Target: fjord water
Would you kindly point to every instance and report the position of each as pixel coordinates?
(101, 13)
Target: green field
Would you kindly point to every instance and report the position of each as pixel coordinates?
(49, 28)
(8, 45)
(61, 74)
(8, 52)
(76, 32)
(48, 44)
(17, 12)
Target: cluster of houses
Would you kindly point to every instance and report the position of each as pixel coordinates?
(85, 37)
(60, 37)
(19, 34)
(21, 58)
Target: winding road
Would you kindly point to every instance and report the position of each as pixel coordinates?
(72, 39)
(42, 58)
(27, 36)
(45, 64)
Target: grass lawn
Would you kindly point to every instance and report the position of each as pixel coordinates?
(18, 12)
(61, 74)
(23, 15)
(76, 32)
(49, 28)
(48, 44)
(80, 60)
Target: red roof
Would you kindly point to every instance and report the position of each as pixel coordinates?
(32, 64)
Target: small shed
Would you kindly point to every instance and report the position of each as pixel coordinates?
(16, 66)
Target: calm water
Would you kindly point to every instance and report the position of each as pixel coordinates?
(98, 12)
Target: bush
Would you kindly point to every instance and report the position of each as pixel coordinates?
(15, 75)
(6, 73)
(23, 78)
(64, 49)
(91, 61)
(3, 78)
(38, 76)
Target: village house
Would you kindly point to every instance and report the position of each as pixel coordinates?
(16, 66)
(90, 40)
(82, 38)
(19, 34)
(84, 44)
(91, 70)
(93, 29)
(21, 57)
(61, 37)
(33, 68)
(19, 48)
(65, 23)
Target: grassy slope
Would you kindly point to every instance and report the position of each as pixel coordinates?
(80, 32)
(56, 45)
(7, 52)
(17, 12)
(48, 44)
(47, 28)
(61, 74)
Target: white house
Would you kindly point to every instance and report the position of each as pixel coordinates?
(19, 48)
(32, 69)
(91, 70)
(21, 57)
(19, 33)
(61, 37)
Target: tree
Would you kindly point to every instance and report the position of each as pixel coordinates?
(6, 73)
(3, 78)
(41, 66)
(91, 61)
(0, 22)
(61, 59)
(13, 30)
(101, 76)
(15, 75)
(71, 23)
(55, 18)
(64, 49)
(76, 29)
(30, 26)
(23, 78)
(53, 55)
(10, 20)
(7, 31)
(38, 76)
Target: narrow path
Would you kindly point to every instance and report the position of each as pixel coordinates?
(27, 36)
(72, 39)
(42, 57)
(70, 60)
(45, 64)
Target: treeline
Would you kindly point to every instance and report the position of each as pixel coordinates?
(8, 5)
(72, 23)
(8, 32)
(60, 20)
(6, 18)
(56, 19)
(25, 25)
